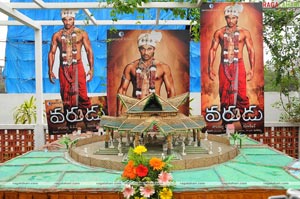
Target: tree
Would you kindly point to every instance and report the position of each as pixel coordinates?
(282, 36)
(129, 7)
(270, 85)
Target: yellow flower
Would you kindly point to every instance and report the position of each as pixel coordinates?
(166, 193)
(139, 149)
(156, 163)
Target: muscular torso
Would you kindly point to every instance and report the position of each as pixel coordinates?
(241, 43)
(79, 43)
(158, 77)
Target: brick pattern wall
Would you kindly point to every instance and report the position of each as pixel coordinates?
(284, 139)
(51, 138)
(15, 142)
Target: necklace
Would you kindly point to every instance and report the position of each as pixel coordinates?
(69, 41)
(231, 39)
(145, 75)
(231, 46)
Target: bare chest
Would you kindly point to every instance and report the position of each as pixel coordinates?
(145, 72)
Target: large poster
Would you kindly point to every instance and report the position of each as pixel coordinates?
(71, 120)
(141, 62)
(232, 67)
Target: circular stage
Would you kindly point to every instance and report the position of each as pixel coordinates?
(213, 149)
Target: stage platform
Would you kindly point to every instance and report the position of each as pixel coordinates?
(256, 169)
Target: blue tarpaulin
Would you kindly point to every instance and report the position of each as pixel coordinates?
(19, 71)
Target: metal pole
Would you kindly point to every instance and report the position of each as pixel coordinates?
(39, 135)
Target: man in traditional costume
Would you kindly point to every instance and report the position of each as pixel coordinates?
(72, 75)
(146, 74)
(232, 73)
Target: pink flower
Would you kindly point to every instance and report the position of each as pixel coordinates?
(128, 191)
(147, 190)
(164, 178)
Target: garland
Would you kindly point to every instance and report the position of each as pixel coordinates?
(142, 75)
(229, 38)
(67, 40)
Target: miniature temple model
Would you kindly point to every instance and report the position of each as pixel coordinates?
(151, 117)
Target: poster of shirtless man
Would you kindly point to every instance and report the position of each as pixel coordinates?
(141, 62)
(232, 69)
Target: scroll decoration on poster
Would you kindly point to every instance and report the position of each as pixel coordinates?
(57, 116)
(64, 121)
(232, 114)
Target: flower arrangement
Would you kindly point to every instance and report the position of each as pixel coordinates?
(147, 177)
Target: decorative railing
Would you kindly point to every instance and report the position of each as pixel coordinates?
(18, 139)
(282, 136)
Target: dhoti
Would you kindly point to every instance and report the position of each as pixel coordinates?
(233, 95)
(74, 92)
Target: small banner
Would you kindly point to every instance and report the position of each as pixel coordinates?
(62, 121)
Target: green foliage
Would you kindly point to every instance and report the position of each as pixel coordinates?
(270, 85)
(191, 108)
(291, 107)
(26, 112)
(101, 111)
(194, 16)
(237, 137)
(125, 7)
(282, 37)
(67, 141)
(131, 6)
